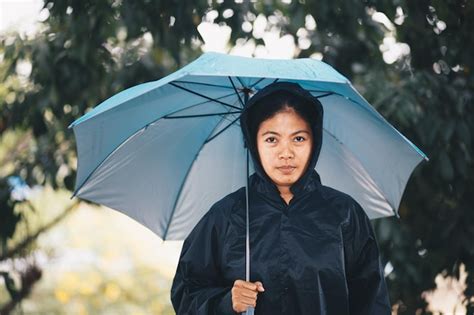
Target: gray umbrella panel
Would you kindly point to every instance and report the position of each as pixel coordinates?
(193, 173)
(173, 175)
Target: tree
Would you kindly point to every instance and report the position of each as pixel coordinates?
(86, 51)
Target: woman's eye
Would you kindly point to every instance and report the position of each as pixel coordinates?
(270, 139)
(300, 139)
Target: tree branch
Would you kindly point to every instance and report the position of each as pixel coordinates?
(28, 240)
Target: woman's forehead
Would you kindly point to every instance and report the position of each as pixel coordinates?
(284, 123)
(285, 120)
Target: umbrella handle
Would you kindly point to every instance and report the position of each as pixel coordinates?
(250, 310)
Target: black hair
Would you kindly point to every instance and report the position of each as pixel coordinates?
(276, 102)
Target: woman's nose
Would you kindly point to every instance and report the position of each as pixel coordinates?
(286, 152)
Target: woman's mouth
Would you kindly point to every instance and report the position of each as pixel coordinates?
(286, 169)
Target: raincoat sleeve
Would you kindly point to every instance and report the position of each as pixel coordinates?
(198, 287)
(367, 289)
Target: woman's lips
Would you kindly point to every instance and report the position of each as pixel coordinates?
(286, 169)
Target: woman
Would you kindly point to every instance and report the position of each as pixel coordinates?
(313, 250)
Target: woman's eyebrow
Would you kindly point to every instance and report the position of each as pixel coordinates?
(276, 133)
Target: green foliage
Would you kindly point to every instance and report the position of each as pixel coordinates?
(87, 51)
(10, 219)
(10, 284)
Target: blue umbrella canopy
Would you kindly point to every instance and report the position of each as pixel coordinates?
(163, 152)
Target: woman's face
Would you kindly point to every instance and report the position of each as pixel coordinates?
(284, 144)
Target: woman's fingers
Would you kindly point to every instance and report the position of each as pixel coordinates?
(248, 293)
(248, 302)
(241, 305)
(244, 294)
(245, 284)
(249, 285)
(239, 292)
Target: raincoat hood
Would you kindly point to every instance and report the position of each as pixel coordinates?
(310, 179)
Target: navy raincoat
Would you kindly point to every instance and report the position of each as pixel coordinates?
(316, 255)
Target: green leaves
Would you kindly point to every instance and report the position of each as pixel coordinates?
(445, 166)
(89, 50)
(10, 285)
(9, 219)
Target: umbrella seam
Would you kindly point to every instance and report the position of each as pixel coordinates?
(184, 180)
(129, 137)
(381, 191)
(200, 115)
(201, 83)
(202, 95)
(257, 82)
(76, 122)
(370, 109)
(236, 92)
(221, 131)
(203, 74)
(215, 85)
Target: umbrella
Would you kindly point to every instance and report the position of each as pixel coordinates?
(163, 152)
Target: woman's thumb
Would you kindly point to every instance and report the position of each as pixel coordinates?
(259, 286)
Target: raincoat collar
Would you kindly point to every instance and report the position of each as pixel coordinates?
(310, 180)
(313, 182)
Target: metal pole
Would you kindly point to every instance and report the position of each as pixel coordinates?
(250, 310)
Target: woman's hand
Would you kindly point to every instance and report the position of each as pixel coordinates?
(244, 294)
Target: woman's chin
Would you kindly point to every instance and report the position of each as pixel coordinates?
(286, 180)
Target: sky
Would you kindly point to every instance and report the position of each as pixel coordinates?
(19, 14)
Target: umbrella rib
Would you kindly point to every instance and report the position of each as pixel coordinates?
(322, 91)
(223, 129)
(241, 83)
(205, 84)
(203, 96)
(373, 111)
(143, 127)
(258, 81)
(236, 92)
(184, 180)
(317, 91)
(324, 95)
(225, 86)
(200, 115)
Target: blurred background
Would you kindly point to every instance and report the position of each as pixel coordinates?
(412, 60)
